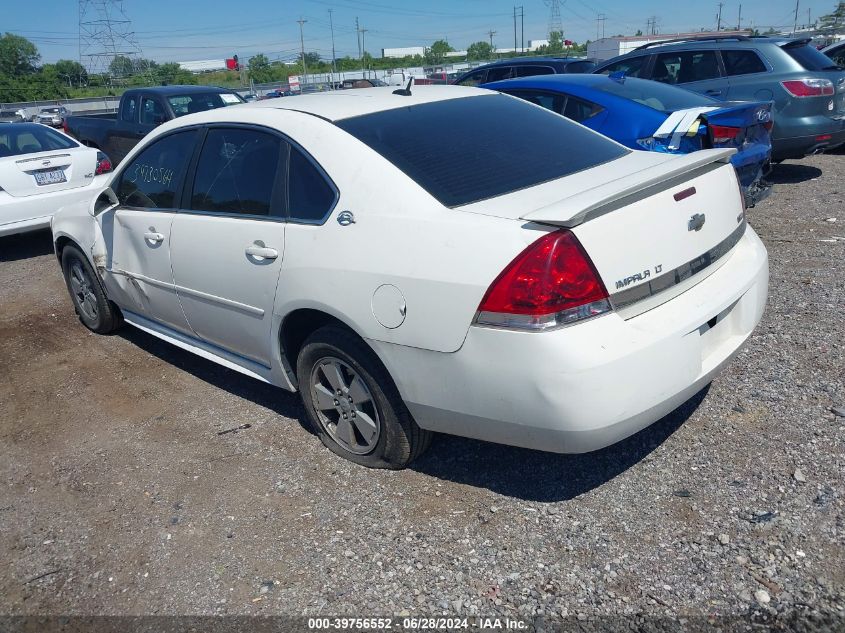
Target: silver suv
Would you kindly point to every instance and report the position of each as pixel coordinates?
(807, 87)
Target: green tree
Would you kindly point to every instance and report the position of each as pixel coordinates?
(72, 73)
(121, 66)
(18, 56)
(259, 69)
(436, 53)
(312, 60)
(833, 22)
(480, 50)
(172, 74)
(639, 33)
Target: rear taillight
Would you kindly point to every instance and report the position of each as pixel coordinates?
(103, 164)
(723, 133)
(550, 284)
(769, 125)
(809, 87)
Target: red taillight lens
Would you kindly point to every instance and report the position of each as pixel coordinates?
(769, 125)
(724, 133)
(551, 283)
(809, 87)
(103, 164)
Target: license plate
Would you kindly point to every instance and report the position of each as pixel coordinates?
(50, 177)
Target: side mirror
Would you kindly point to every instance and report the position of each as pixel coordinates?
(106, 200)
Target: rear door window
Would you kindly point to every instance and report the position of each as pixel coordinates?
(532, 71)
(237, 172)
(152, 180)
(151, 111)
(474, 78)
(742, 62)
(632, 67)
(505, 145)
(809, 57)
(580, 110)
(498, 73)
(310, 196)
(580, 67)
(128, 112)
(685, 67)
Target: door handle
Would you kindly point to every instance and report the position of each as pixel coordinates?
(714, 93)
(154, 237)
(262, 251)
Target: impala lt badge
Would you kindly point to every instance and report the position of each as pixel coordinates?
(696, 222)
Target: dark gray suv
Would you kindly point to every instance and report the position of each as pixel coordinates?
(807, 88)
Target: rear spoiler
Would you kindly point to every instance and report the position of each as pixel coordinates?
(612, 195)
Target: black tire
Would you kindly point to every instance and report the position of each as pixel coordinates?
(400, 440)
(92, 306)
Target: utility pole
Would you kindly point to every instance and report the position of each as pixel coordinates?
(600, 20)
(363, 51)
(739, 19)
(719, 17)
(795, 24)
(302, 44)
(358, 34)
(521, 16)
(491, 34)
(334, 57)
(809, 18)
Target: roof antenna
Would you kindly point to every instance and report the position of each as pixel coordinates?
(406, 91)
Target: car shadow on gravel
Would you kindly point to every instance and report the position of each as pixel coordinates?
(17, 247)
(792, 173)
(545, 477)
(277, 400)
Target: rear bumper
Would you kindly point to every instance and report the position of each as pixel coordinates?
(590, 385)
(30, 213)
(801, 146)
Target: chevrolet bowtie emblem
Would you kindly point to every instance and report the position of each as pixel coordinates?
(696, 222)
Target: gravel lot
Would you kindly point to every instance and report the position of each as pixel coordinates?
(120, 495)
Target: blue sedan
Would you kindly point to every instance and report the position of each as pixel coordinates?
(648, 115)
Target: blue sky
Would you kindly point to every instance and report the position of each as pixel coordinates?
(181, 30)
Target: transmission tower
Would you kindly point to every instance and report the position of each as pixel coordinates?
(555, 22)
(105, 32)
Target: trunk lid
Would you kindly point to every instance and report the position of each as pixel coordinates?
(44, 172)
(752, 120)
(650, 231)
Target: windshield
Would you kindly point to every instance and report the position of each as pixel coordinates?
(809, 57)
(472, 148)
(50, 110)
(202, 101)
(654, 94)
(25, 138)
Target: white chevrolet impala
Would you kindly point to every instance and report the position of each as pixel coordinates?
(42, 170)
(451, 260)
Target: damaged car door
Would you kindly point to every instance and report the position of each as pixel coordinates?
(136, 232)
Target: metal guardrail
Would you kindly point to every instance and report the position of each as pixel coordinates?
(80, 105)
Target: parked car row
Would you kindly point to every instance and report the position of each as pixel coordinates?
(547, 284)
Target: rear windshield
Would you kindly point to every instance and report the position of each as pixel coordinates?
(654, 94)
(200, 102)
(472, 148)
(18, 139)
(810, 58)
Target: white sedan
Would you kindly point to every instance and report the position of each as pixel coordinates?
(41, 170)
(451, 260)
